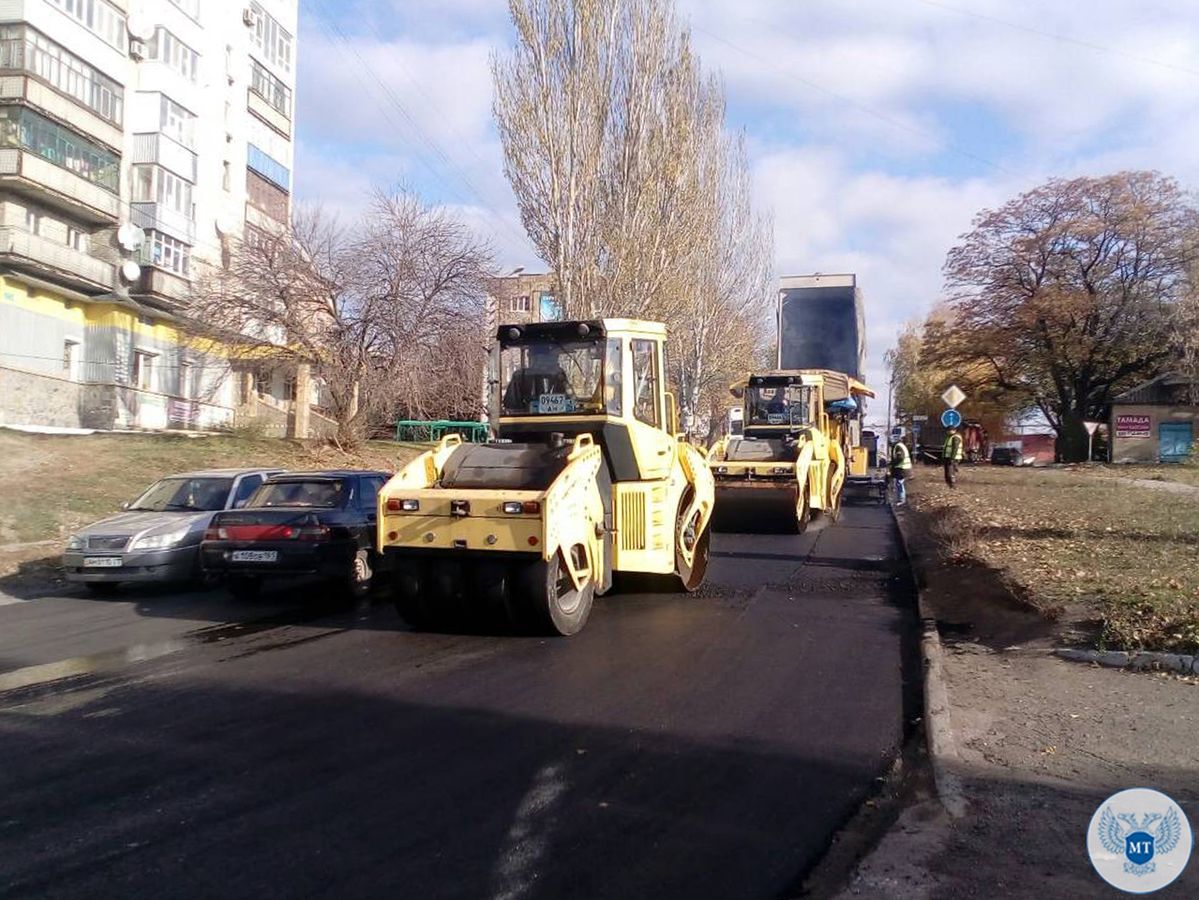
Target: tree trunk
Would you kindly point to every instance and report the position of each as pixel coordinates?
(1072, 437)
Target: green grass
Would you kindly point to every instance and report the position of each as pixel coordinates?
(1079, 547)
(51, 484)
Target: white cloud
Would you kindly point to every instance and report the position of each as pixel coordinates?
(871, 122)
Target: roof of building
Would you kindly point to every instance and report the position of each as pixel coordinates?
(1162, 389)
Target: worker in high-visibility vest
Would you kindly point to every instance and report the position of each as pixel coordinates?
(951, 455)
(901, 468)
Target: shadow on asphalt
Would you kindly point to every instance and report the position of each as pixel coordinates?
(209, 789)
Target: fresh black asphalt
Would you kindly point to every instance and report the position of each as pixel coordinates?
(680, 747)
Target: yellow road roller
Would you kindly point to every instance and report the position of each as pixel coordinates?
(795, 450)
(586, 476)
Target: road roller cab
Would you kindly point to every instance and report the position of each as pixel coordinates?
(586, 477)
(794, 450)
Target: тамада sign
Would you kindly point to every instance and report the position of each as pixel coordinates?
(1132, 427)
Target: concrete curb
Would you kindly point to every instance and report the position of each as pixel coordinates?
(1138, 660)
(938, 723)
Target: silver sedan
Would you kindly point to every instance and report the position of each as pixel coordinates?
(157, 536)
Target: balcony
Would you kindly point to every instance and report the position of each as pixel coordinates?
(163, 285)
(21, 249)
(164, 151)
(45, 99)
(26, 173)
(160, 217)
(267, 113)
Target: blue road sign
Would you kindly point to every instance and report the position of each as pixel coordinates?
(951, 418)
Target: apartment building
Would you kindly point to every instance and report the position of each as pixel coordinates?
(138, 138)
(522, 297)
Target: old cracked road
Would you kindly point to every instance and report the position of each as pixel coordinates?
(181, 745)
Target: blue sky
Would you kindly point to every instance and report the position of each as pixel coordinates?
(877, 128)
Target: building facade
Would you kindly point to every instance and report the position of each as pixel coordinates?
(138, 138)
(1155, 421)
(522, 297)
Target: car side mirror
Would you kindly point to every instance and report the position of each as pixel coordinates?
(125, 504)
(737, 392)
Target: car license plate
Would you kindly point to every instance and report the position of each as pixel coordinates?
(255, 555)
(102, 562)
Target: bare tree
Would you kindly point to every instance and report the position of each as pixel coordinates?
(1067, 293)
(628, 185)
(388, 313)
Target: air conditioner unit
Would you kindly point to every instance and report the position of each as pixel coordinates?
(137, 49)
(249, 17)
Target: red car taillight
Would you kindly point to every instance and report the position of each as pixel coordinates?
(306, 532)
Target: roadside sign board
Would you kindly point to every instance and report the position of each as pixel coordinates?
(951, 418)
(953, 397)
(1133, 427)
(1091, 427)
(919, 418)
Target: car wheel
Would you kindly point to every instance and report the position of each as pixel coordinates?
(358, 579)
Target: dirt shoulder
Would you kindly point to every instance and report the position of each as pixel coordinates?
(51, 484)
(1114, 564)
(1041, 741)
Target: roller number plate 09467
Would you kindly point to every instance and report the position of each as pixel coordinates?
(552, 403)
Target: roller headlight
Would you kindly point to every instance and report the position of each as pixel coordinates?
(75, 542)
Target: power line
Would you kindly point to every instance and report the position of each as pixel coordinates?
(326, 22)
(1063, 38)
(864, 108)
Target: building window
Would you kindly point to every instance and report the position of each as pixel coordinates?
(144, 364)
(76, 239)
(24, 50)
(266, 197)
(164, 252)
(270, 88)
(521, 303)
(70, 350)
(262, 382)
(177, 123)
(254, 238)
(289, 387)
(154, 184)
(24, 129)
(99, 17)
(166, 48)
(271, 38)
(33, 221)
(186, 380)
(268, 167)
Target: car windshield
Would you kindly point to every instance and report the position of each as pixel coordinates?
(557, 377)
(184, 495)
(322, 494)
(780, 404)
